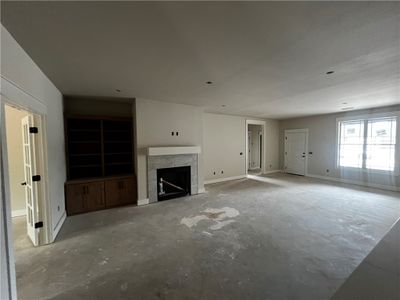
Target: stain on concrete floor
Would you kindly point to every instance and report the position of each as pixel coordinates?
(216, 215)
(293, 237)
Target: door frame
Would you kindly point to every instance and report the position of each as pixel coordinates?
(263, 131)
(302, 130)
(260, 144)
(13, 95)
(45, 236)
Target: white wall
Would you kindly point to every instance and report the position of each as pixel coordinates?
(322, 142)
(15, 158)
(224, 140)
(271, 145)
(19, 70)
(154, 123)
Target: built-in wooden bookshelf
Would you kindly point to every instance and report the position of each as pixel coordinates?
(100, 164)
(99, 147)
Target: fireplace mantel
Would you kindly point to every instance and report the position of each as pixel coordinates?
(157, 151)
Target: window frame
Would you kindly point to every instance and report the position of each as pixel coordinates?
(366, 118)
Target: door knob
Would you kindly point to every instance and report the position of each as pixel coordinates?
(23, 183)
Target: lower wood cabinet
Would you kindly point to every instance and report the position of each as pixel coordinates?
(100, 193)
(119, 192)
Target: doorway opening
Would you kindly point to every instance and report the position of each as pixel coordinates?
(25, 157)
(255, 152)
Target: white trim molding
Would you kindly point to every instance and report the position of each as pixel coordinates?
(156, 151)
(272, 171)
(18, 213)
(58, 226)
(17, 96)
(143, 202)
(356, 182)
(225, 179)
(264, 134)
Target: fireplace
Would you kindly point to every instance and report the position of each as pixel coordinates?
(173, 182)
(182, 160)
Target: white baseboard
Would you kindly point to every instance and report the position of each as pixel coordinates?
(143, 202)
(225, 179)
(18, 213)
(58, 226)
(356, 182)
(272, 171)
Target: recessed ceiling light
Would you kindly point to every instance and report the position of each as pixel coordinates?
(330, 72)
(348, 108)
(118, 90)
(209, 82)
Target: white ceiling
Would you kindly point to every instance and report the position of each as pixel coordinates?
(265, 59)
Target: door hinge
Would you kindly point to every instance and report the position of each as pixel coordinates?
(36, 178)
(39, 224)
(33, 130)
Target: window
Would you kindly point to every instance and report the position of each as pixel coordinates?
(368, 143)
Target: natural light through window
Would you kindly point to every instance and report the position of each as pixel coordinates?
(368, 143)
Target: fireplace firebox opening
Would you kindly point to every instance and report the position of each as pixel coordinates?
(173, 182)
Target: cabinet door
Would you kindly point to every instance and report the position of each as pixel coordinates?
(75, 194)
(120, 192)
(113, 194)
(94, 196)
(128, 191)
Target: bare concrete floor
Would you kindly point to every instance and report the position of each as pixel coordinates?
(276, 237)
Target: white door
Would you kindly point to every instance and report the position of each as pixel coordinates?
(295, 151)
(31, 189)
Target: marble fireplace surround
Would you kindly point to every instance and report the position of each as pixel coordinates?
(170, 157)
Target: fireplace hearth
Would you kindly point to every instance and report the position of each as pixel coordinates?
(173, 183)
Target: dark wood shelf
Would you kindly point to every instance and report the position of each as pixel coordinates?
(117, 130)
(85, 130)
(86, 166)
(98, 147)
(100, 163)
(84, 142)
(85, 154)
(118, 142)
(119, 164)
(118, 153)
